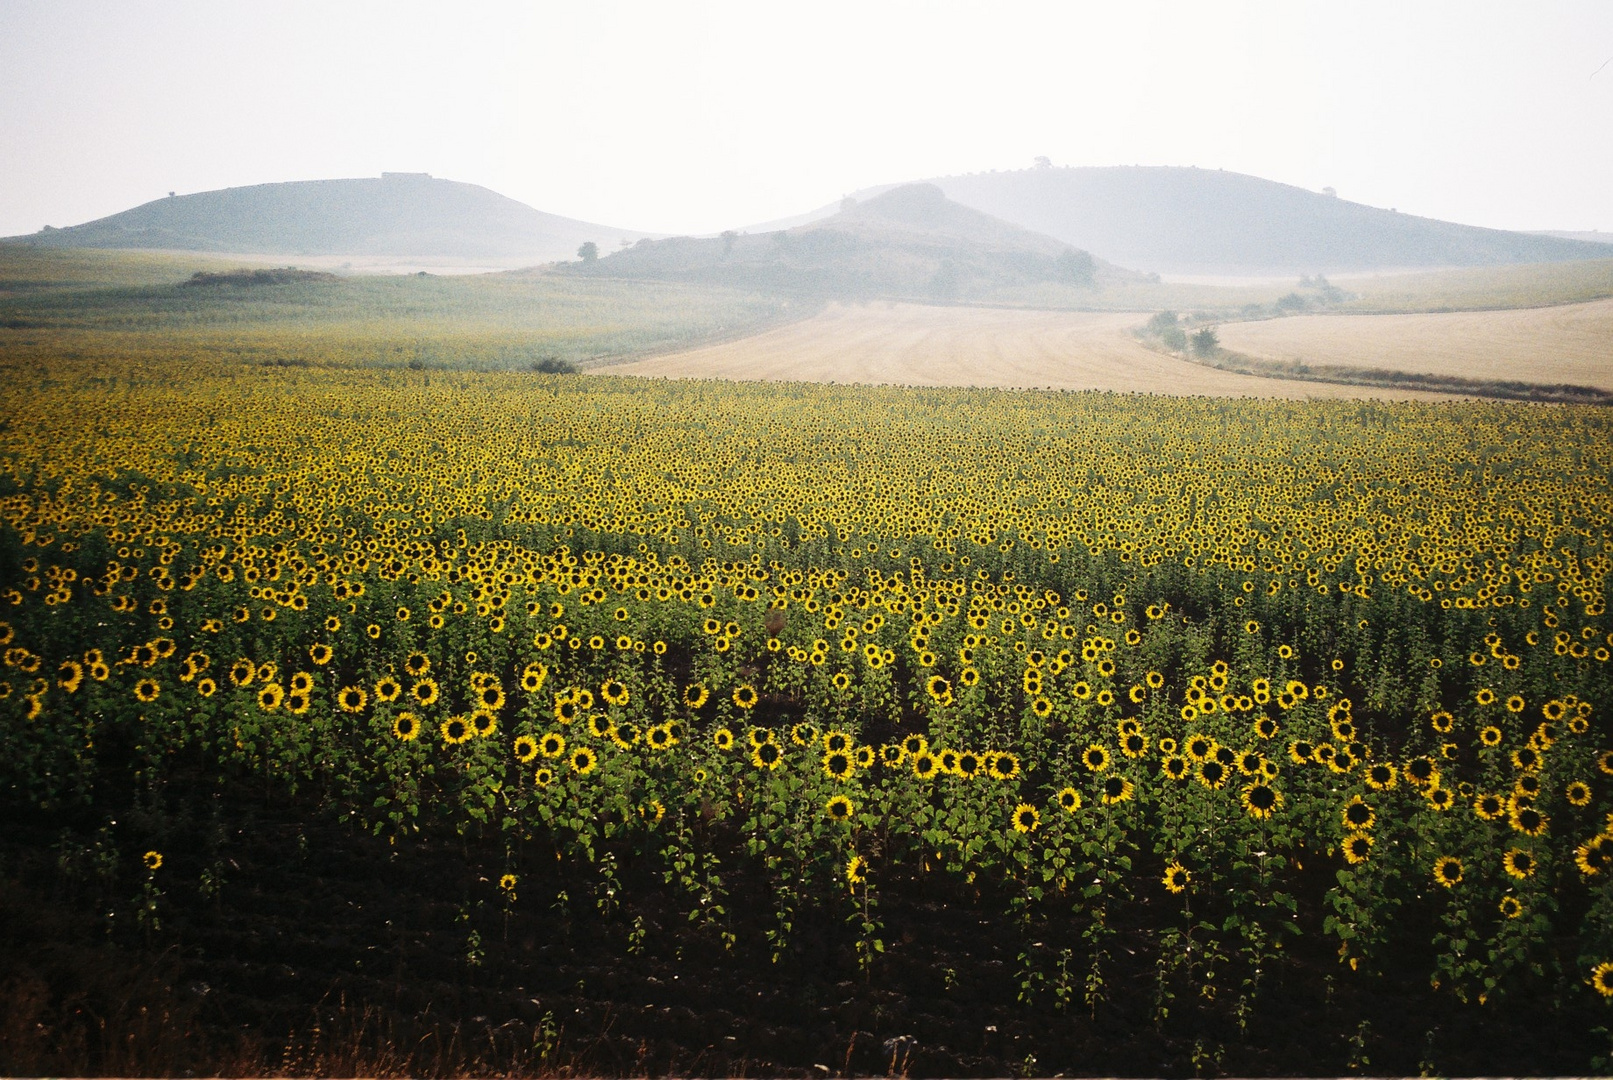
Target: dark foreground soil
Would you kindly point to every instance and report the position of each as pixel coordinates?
(327, 951)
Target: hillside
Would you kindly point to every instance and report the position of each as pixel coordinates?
(907, 242)
(403, 214)
(1199, 221)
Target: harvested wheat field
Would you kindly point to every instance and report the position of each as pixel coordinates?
(921, 345)
(1572, 343)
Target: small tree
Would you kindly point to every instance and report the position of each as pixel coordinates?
(1205, 343)
(1078, 268)
(588, 252)
(728, 238)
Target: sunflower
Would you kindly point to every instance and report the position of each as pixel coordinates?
(1442, 722)
(1069, 800)
(526, 748)
(241, 672)
(146, 690)
(552, 744)
(424, 692)
(532, 677)
(1604, 762)
(270, 696)
(891, 755)
(152, 859)
(659, 737)
(320, 654)
(838, 765)
(856, 871)
(745, 696)
(865, 757)
(1510, 907)
(1448, 871)
(583, 761)
(1528, 820)
(455, 730)
(915, 745)
(352, 699)
(722, 739)
(1592, 857)
(1490, 736)
(1266, 727)
(1518, 863)
(924, 765)
(1026, 818)
(416, 664)
(1260, 800)
(406, 727)
(1578, 794)
(1095, 758)
(614, 692)
(1117, 789)
(839, 808)
(767, 756)
(1490, 807)
(1526, 759)
(205, 687)
(1003, 766)
(1177, 877)
(1212, 774)
(1357, 847)
(804, 733)
(1601, 979)
(1422, 771)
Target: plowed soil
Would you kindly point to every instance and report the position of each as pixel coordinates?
(1572, 343)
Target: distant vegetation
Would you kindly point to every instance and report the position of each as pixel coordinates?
(281, 275)
(88, 304)
(910, 243)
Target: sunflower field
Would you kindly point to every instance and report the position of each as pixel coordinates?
(1182, 687)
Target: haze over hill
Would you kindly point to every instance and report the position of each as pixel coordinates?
(1201, 221)
(909, 241)
(399, 214)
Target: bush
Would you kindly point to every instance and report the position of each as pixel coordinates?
(553, 365)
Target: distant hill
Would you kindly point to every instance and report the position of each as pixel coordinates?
(911, 241)
(402, 214)
(1200, 221)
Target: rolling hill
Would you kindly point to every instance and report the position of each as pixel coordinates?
(404, 214)
(911, 241)
(1201, 221)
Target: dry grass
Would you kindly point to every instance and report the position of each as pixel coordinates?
(918, 345)
(1572, 343)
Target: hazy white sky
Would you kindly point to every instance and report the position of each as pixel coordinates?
(691, 117)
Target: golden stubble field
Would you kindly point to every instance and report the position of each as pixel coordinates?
(1571, 343)
(921, 345)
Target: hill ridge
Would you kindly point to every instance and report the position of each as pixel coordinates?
(397, 214)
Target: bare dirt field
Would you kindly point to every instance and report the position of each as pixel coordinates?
(1572, 343)
(920, 345)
